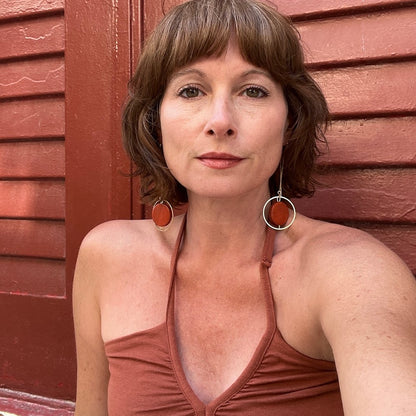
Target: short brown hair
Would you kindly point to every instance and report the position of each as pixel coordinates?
(201, 28)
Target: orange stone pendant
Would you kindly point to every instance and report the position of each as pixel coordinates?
(279, 214)
(161, 214)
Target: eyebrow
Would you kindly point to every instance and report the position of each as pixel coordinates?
(255, 71)
(187, 71)
(194, 71)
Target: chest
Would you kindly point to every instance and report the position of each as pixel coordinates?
(218, 328)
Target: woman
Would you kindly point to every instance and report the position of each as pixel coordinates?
(219, 313)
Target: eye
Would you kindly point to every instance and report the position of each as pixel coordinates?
(255, 92)
(190, 92)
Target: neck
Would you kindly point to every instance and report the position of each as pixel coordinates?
(224, 226)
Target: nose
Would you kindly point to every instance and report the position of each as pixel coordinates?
(220, 121)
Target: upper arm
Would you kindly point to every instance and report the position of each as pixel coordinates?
(368, 315)
(92, 366)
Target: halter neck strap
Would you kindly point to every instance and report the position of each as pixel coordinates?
(268, 247)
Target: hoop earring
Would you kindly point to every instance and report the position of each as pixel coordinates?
(162, 214)
(279, 212)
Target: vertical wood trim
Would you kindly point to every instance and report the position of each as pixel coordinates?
(137, 39)
(98, 36)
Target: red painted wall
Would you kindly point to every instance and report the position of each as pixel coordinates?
(36, 341)
(364, 59)
(63, 75)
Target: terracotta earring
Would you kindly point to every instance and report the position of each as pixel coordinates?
(162, 214)
(278, 214)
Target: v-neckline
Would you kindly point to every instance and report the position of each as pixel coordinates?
(261, 349)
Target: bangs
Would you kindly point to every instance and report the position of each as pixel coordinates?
(197, 29)
(202, 28)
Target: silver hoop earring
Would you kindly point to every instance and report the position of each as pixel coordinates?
(278, 214)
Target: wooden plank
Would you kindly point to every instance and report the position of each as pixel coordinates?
(33, 77)
(21, 8)
(34, 277)
(400, 239)
(305, 8)
(360, 38)
(384, 195)
(371, 142)
(38, 159)
(374, 89)
(32, 37)
(37, 349)
(42, 117)
(27, 238)
(28, 408)
(32, 199)
(94, 99)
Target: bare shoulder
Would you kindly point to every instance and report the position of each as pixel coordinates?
(123, 273)
(120, 254)
(347, 253)
(114, 237)
(120, 243)
(365, 297)
(103, 251)
(355, 280)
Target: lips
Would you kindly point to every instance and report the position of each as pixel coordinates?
(219, 160)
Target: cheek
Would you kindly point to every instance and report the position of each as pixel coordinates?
(273, 160)
(165, 123)
(173, 124)
(271, 147)
(173, 143)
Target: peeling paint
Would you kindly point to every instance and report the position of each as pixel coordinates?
(115, 23)
(45, 79)
(41, 37)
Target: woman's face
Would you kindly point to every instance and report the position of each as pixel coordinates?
(223, 122)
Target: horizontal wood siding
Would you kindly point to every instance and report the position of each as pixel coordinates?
(32, 77)
(33, 199)
(36, 158)
(376, 195)
(32, 239)
(363, 56)
(360, 38)
(362, 142)
(32, 118)
(34, 277)
(21, 8)
(304, 9)
(31, 37)
(36, 336)
(32, 155)
(371, 90)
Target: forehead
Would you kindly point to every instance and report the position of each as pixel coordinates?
(230, 60)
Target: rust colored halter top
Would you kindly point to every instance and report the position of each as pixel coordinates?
(146, 376)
